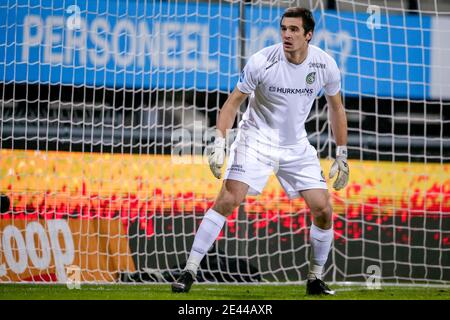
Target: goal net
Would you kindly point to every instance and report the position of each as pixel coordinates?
(108, 108)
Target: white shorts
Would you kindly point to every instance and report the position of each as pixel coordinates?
(297, 168)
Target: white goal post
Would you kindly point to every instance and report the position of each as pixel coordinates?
(107, 108)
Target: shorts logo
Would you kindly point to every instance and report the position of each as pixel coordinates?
(311, 77)
(237, 168)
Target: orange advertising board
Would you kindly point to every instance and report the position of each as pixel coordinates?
(61, 250)
(54, 185)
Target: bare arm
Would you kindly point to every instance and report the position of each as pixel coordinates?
(229, 110)
(338, 119)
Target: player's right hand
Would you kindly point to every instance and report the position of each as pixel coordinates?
(217, 156)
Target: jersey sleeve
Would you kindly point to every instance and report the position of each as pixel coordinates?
(333, 81)
(250, 76)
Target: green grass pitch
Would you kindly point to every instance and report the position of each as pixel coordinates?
(213, 292)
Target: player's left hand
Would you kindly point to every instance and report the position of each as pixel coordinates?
(340, 166)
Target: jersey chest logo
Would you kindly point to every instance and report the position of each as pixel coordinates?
(311, 77)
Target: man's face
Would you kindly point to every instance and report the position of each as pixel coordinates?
(293, 34)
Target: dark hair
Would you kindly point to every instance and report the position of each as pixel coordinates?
(299, 12)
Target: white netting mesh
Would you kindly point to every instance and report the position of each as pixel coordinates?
(98, 101)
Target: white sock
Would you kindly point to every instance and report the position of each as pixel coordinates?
(320, 247)
(207, 233)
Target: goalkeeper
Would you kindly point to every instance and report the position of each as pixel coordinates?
(282, 82)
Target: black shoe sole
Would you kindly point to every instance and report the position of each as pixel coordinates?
(177, 288)
(321, 293)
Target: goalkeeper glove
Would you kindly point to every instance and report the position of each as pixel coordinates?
(217, 157)
(340, 167)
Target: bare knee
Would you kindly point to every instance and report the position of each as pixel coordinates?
(225, 203)
(323, 216)
(230, 197)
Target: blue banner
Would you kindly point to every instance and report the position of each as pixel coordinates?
(164, 45)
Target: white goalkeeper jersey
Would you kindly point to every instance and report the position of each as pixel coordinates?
(282, 93)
